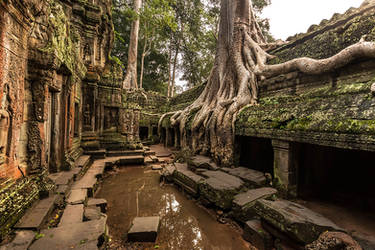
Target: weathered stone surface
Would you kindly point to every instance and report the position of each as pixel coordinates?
(167, 172)
(97, 169)
(79, 235)
(65, 178)
(220, 188)
(200, 161)
(83, 161)
(125, 152)
(144, 229)
(77, 196)
(62, 189)
(96, 154)
(22, 241)
(298, 222)
(366, 241)
(257, 236)
(185, 178)
(131, 159)
(373, 89)
(72, 214)
(92, 213)
(334, 240)
(101, 203)
(37, 214)
(157, 167)
(250, 176)
(88, 182)
(243, 203)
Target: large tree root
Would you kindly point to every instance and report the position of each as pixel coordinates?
(233, 84)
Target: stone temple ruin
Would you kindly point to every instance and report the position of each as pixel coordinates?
(65, 118)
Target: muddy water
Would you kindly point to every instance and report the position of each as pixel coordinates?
(135, 191)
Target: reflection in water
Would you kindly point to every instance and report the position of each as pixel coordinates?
(183, 224)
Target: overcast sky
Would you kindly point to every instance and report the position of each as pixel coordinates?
(288, 17)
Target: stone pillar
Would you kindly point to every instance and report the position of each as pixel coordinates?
(284, 171)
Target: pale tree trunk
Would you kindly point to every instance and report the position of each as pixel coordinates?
(233, 83)
(169, 71)
(173, 81)
(130, 81)
(146, 50)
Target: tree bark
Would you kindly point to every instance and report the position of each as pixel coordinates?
(174, 70)
(130, 81)
(233, 83)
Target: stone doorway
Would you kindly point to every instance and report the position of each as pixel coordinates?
(111, 118)
(49, 131)
(255, 153)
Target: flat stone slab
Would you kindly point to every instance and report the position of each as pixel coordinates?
(220, 188)
(300, 223)
(83, 161)
(87, 182)
(84, 235)
(139, 152)
(65, 178)
(37, 214)
(101, 203)
(144, 229)
(254, 233)
(72, 214)
(92, 213)
(243, 203)
(187, 179)
(22, 241)
(62, 189)
(156, 167)
(97, 169)
(77, 196)
(200, 161)
(131, 159)
(252, 177)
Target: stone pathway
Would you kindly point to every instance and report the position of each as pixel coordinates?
(83, 221)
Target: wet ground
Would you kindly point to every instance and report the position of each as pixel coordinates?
(136, 191)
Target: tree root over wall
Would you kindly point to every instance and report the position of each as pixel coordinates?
(240, 64)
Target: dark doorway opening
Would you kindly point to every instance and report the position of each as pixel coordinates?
(338, 175)
(154, 131)
(171, 137)
(255, 153)
(143, 133)
(163, 135)
(178, 138)
(76, 119)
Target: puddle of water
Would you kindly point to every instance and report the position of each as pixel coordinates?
(136, 192)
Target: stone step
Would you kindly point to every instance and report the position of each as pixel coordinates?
(300, 223)
(97, 169)
(77, 196)
(149, 152)
(220, 188)
(62, 189)
(186, 179)
(254, 233)
(148, 160)
(139, 152)
(95, 202)
(89, 182)
(37, 214)
(73, 214)
(244, 202)
(144, 229)
(154, 158)
(92, 213)
(83, 161)
(130, 160)
(200, 161)
(84, 235)
(252, 178)
(96, 154)
(22, 241)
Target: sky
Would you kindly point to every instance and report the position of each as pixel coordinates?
(289, 17)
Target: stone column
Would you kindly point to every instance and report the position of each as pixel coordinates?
(284, 171)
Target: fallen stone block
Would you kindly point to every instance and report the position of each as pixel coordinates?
(22, 241)
(257, 236)
(77, 196)
(101, 203)
(157, 167)
(300, 223)
(243, 203)
(200, 161)
(252, 178)
(144, 229)
(186, 179)
(62, 189)
(88, 182)
(334, 240)
(220, 188)
(84, 235)
(72, 214)
(167, 172)
(92, 213)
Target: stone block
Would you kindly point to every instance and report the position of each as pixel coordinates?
(298, 222)
(72, 214)
(144, 229)
(22, 241)
(186, 179)
(92, 213)
(243, 203)
(251, 177)
(200, 161)
(101, 203)
(77, 196)
(257, 236)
